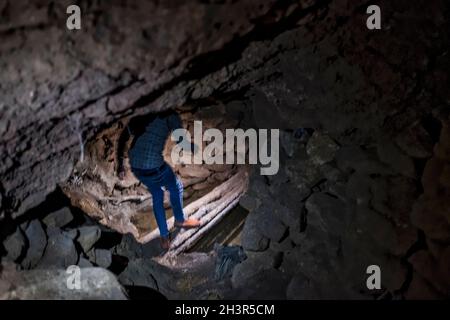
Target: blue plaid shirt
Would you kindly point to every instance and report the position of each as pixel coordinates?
(147, 149)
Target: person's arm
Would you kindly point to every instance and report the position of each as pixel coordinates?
(174, 121)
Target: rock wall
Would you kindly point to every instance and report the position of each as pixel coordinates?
(368, 184)
(52, 77)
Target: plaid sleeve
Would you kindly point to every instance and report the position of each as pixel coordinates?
(175, 122)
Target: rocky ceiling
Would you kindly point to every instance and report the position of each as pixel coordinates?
(376, 102)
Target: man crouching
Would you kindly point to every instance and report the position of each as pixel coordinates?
(147, 163)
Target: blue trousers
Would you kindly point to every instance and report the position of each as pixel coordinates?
(155, 180)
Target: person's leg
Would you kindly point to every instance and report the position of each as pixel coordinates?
(158, 209)
(175, 188)
(154, 185)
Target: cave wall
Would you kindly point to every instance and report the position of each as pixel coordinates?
(320, 52)
(377, 100)
(127, 57)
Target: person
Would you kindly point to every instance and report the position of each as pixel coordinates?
(149, 134)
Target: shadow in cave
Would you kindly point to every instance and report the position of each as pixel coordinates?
(52, 203)
(225, 232)
(143, 293)
(118, 264)
(108, 239)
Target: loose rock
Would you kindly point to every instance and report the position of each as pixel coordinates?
(58, 219)
(95, 283)
(37, 240)
(321, 148)
(59, 253)
(101, 257)
(14, 244)
(88, 236)
(251, 238)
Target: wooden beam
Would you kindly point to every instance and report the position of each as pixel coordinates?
(206, 218)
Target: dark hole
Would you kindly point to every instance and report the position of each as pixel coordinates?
(108, 240)
(432, 126)
(226, 232)
(118, 264)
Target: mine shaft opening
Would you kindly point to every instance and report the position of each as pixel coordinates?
(211, 191)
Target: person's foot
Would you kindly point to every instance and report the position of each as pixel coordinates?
(188, 223)
(165, 242)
